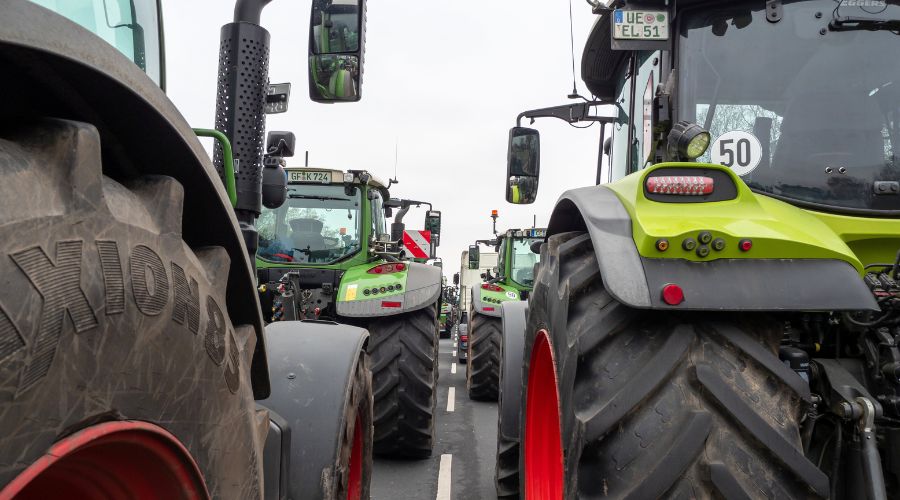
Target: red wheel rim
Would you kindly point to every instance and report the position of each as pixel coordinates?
(123, 459)
(543, 443)
(354, 479)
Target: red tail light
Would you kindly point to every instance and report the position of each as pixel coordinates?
(387, 268)
(463, 338)
(684, 185)
(488, 308)
(493, 288)
(385, 303)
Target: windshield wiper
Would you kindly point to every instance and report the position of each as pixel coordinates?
(320, 198)
(846, 23)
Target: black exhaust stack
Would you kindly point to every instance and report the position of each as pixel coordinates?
(240, 109)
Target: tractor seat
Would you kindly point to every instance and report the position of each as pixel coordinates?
(307, 233)
(525, 275)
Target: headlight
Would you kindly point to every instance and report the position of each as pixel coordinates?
(688, 141)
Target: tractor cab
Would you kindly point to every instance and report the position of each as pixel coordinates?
(326, 252)
(513, 278)
(517, 259)
(328, 217)
(800, 99)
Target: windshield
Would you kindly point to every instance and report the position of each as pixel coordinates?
(798, 110)
(523, 261)
(132, 26)
(318, 224)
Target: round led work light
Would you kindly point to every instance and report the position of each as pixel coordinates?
(688, 140)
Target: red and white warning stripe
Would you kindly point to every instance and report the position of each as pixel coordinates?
(417, 244)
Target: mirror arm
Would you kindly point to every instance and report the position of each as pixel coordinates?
(572, 113)
(249, 11)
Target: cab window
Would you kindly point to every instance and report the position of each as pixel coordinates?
(618, 160)
(635, 99)
(379, 226)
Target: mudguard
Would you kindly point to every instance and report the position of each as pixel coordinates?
(512, 351)
(56, 68)
(311, 365)
(764, 284)
(422, 289)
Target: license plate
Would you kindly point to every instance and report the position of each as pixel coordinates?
(640, 25)
(307, 176)
(537, 233)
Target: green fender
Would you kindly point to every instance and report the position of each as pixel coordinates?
(488, 302)
(362, 294)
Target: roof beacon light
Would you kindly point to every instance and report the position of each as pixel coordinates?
(683, 185)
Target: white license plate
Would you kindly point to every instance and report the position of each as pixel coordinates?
(640, 25)
(306, 176)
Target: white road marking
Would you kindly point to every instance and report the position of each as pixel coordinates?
(454, 344)
(454, 352)
(443, 486)
(451, 399)
(452, 367)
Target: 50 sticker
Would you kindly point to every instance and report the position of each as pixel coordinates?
(738, 150)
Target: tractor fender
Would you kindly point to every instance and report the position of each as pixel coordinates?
(311, 364)
(514, 315)
(478, 305)
(722, 284)
(423, 288)
(56, 68)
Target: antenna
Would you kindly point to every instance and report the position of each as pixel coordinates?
(306, 162)
(574, 94)
(534, 224)
(396, 154)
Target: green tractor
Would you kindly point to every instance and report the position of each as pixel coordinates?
(445, 320)
(513, 280)
(451, 299)
(721, 319)
(134, 361)
(326, 254)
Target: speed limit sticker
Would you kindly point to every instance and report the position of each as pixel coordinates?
(738, 150)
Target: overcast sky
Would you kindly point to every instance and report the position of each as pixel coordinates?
(444, 80)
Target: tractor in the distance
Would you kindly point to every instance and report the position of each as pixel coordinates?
(511, 280)
(326, 254)
(721, 320)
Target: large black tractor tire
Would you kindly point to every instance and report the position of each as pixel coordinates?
(653, 404)
(404, 356)
(483, 373)
(107, 315)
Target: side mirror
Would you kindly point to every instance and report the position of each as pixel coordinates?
(456, 278)
(433, 221)
(474, 257)
(523, 165)
(280, 144)
(433, 224)
(337, 36)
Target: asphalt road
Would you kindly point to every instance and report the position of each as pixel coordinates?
(466, 445)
